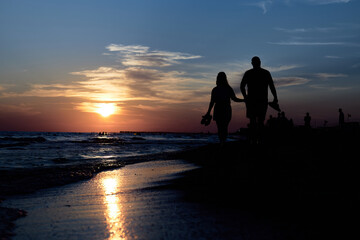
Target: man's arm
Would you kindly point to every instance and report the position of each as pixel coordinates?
(272, 88)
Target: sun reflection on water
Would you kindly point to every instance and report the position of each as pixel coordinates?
(113, 213)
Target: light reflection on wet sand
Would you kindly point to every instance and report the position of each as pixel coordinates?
(113, 215)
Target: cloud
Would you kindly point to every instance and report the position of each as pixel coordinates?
(131, 49)
(246, 65)
(330, 75)
(138, 55)
(138, 81)
(306, 30)
(329, 88)
(356, 65)
(333, 57)
(325, 2)
(263, 5)
(290, 81)
(298, 43)
(22, 108)
(138, 84)
(336, 35)
(282, 68)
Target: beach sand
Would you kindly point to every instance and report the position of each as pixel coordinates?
(296, 185)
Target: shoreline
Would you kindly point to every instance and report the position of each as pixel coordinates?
(24, 181)
(20, 182)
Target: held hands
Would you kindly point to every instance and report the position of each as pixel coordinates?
(239, 100)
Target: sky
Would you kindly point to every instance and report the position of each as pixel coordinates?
(150, 65)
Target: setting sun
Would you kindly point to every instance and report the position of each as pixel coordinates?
(106, 109)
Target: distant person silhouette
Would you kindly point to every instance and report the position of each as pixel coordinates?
(254, 87)
(271, 122)
(307, 120)
(220, 97)
(341, 118)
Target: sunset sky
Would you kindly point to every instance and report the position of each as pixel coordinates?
(150, 65)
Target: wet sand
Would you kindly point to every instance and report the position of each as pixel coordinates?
(116, 204)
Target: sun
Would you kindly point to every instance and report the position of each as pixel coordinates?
(106, 109)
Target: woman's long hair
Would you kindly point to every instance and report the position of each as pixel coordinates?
(221, 79)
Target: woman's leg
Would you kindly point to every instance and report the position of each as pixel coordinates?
(222, 130)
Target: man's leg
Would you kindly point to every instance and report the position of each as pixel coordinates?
(252, 130)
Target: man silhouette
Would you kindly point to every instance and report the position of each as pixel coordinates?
(307, 120)
(254, 87)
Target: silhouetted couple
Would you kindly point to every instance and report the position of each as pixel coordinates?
(254, 87)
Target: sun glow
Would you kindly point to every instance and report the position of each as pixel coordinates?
(106, 109)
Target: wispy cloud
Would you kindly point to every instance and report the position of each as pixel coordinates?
(23, 108)
(299, 43)
(330, 75)
(356, 65)
(306, 30)
(329, 88)
(290, 81)
(333, 57)
(282, 68)
(335, 35)
(264, 5)
(138, 55)
(246, 65)
(325, 2)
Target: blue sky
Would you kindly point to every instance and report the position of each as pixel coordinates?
(158, 60)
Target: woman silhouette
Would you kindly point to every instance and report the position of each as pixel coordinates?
(220, 97)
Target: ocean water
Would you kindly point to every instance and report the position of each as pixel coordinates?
(47, 149)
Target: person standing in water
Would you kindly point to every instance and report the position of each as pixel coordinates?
(254, 87)
(220, 98)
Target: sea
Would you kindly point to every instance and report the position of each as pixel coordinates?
(51, 149)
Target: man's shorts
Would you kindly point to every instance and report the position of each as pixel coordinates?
(256, 109)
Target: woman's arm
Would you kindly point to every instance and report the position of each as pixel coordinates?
(212, 102)
(211, 105)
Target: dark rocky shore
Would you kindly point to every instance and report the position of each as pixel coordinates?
(303, 182)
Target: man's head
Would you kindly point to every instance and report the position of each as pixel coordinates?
(255, 61)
